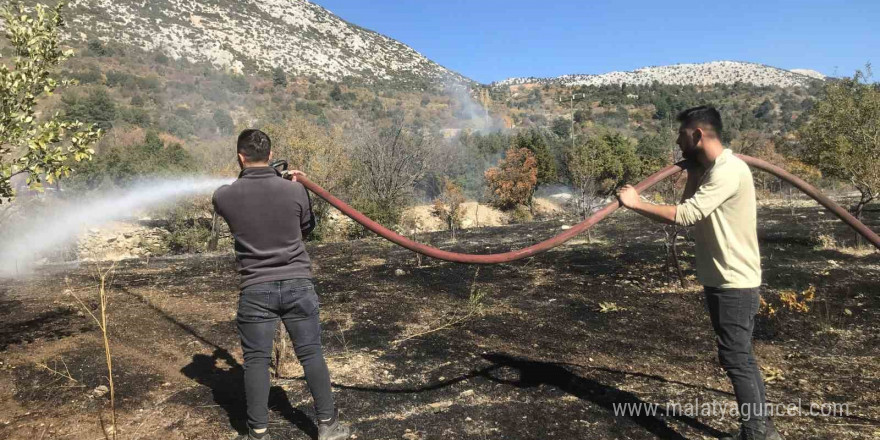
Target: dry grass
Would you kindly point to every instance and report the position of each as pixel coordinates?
(474, 308)
(103, 277)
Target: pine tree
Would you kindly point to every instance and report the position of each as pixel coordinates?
(279, 78)
(535, 142)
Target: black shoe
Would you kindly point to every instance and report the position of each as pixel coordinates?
(748, 432)
(334, 430)
(251, 435)
(772, 433)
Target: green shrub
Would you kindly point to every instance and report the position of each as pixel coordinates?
(135, 116)
(521, 214)
(189, 226)
(99, 49)
(385, 215)
(91, 75)
(95, 108)
(224, 122)
(116, 78)
(121, 165)
(162, 59)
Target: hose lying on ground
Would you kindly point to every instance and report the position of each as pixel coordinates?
(550, 243)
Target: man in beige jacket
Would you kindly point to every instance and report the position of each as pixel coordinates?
(719, 202)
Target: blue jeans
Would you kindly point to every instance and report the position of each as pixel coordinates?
(295, 303)
(733, 317)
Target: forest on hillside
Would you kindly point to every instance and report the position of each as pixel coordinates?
(170, 117)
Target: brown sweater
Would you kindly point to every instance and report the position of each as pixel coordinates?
(268, 217)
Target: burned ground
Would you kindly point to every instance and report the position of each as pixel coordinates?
(537, 358)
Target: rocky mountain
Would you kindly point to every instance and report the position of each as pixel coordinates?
(246, 35)
(724, 72)
(809, 72)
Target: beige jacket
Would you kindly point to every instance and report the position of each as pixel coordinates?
(723, 212)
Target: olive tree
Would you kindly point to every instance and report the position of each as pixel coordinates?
(39, 146)
(389, 161)
(842, 135)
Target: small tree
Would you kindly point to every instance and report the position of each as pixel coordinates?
(599, 166)
(535, 142)
(224, 122)
(41, 148)
(336, 93)
(583, 171)
(95, 108)
(842, 135)
(279, 78)
(562, 127)
(448, 205)
(390, 160)
(610, 160)
(513, 181)
(656, 151)
(764, 111)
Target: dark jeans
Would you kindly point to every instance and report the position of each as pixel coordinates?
(733, 317)
(259, 308)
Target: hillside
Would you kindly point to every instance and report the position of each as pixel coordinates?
(297, 36)
(131, 85)
(715, 72)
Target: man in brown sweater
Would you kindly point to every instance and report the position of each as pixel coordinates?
(719, 202)
(268, 217)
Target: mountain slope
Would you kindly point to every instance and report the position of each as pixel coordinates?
(715, 72)
(296, 35)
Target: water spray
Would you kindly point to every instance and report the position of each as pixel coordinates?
(35, 237)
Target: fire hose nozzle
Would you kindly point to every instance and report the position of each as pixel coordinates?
(280, 166)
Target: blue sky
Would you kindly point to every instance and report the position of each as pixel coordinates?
(490, 40)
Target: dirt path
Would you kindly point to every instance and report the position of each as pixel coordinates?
(539, 360)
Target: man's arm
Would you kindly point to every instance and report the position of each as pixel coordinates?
(663, 213)
(709, 195)
(215, 202)
(629, 197)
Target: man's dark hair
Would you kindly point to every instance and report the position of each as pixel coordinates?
(254, 145)
(704, 115)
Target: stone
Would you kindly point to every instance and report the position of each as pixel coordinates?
(440, 406)
(100, 391)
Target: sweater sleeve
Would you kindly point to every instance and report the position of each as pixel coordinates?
(717, 188)
(215, 197)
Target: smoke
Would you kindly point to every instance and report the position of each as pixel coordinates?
(470, 112)
(31, 237)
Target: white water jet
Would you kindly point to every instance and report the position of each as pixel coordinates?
(29, 240)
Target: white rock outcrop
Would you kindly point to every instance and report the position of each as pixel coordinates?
(296, 35)
(715, 72)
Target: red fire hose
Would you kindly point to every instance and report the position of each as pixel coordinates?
(582, 226)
